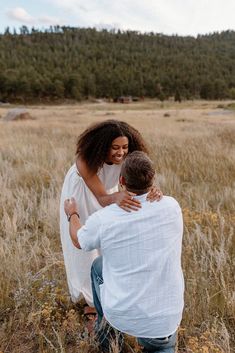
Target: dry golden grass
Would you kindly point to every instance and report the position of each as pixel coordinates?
(192, 145)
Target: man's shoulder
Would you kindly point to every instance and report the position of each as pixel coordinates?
(170, 200)
(113, 211)
(167, 203)
(108, 211)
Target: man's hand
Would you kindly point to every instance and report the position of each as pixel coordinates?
(70, 206)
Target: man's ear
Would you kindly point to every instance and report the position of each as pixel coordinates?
(122, 180)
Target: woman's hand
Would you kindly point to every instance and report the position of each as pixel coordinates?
(126, 201)
(154, 194)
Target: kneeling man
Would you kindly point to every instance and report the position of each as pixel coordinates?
(138, 283)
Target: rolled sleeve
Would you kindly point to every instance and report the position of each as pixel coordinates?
(89, 235)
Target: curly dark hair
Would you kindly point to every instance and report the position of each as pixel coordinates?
(95, 142)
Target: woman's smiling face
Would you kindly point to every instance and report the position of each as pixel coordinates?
(118, 150)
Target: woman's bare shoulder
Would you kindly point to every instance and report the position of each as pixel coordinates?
(83, 168)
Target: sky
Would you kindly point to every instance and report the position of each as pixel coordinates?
(182, 17)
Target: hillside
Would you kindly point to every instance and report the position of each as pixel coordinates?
(71, 63)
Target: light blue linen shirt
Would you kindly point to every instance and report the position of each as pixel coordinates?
(142, 293)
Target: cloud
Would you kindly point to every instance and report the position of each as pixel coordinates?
(21, 15)
(49, 20)
(165, 16)
(183, 17)
(148, 15)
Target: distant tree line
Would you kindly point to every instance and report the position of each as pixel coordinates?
(73, 63)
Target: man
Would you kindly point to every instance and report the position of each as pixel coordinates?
(138, 282)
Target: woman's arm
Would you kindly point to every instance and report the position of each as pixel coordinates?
(124, 199)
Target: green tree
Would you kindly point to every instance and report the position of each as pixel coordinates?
(177, 96)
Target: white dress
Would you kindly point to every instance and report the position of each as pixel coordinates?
(78, 262)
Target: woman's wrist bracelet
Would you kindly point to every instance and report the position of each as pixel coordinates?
(70, 215)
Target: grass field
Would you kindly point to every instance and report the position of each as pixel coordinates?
(193, 148)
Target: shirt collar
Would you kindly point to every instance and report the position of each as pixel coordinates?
(141, 197)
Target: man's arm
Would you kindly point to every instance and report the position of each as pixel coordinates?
(71, 210)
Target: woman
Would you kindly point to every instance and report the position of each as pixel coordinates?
(93, 182)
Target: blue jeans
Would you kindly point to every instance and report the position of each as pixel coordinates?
(106, 333)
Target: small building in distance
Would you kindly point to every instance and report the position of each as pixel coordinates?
(123, 99)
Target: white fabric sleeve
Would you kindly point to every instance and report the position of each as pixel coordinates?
(89, 235)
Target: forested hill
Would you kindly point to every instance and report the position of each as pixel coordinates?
(72, 63)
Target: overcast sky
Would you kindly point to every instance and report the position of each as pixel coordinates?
(182, 17)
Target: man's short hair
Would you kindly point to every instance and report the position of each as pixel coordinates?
(138, 171)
